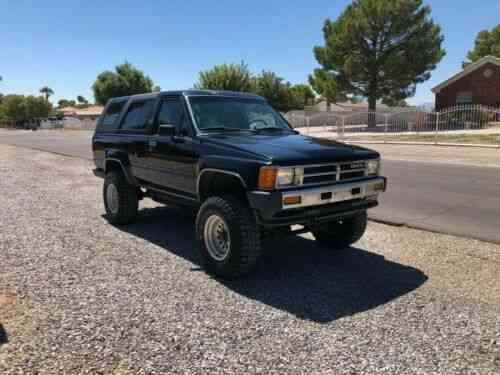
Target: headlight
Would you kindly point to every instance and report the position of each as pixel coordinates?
(373, 167)
(284, 177)
(274, 177)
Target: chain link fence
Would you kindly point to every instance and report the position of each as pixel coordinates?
(467, 124)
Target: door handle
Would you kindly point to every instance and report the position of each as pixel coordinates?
(178, 139)
(152, 143)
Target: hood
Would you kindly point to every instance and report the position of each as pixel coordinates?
(292, 149)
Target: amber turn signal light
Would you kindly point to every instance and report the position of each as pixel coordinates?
(267, 177)
(292, 200)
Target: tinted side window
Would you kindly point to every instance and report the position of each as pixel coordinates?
(137, 115)
(112, 113)
(172, 113)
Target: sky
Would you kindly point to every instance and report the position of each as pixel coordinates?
(66, 44)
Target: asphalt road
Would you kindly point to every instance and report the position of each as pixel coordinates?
(456, 199)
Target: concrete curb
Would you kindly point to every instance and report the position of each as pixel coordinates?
(477, 145)
(399, 224)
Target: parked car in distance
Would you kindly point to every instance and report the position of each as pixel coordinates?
(238, 162)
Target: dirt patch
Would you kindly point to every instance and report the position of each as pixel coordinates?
(7, 311)
(7, 300)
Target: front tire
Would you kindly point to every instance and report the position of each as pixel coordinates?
(120, 198)
(228, 237)
(338, 235)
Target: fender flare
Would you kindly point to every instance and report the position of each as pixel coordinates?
(215, 170)
(125, 169)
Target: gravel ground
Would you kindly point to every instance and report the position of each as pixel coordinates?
(78, 295)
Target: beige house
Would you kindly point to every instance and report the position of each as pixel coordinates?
(89, 112)
(81, 118)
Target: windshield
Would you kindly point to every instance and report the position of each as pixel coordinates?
(235, 114)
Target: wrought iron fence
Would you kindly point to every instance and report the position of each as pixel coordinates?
(472, 124)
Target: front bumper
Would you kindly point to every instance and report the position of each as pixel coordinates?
(310, 206)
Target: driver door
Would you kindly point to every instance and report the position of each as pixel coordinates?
(171, 157)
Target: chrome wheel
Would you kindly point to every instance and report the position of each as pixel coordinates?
(217, 238)
(112, 198)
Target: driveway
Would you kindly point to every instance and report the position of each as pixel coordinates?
(81, 296)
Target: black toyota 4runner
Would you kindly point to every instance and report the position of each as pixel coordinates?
(239, 163)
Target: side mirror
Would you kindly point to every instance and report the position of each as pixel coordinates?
(166, 129)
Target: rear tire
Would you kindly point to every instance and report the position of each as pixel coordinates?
(338, 235)
(228, 237)
(120, 198)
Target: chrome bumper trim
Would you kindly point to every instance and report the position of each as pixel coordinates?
(339, 193)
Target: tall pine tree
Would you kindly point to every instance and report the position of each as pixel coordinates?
(381, 49)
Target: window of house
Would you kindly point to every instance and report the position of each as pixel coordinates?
(137, 115)
(488, 73)
(464, 97)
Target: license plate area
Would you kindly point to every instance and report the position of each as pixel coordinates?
(348, 194)
(334, 194)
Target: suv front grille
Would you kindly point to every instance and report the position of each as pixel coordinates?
(330, 173)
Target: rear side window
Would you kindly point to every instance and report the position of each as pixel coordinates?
(108, 121)
(136, 118)
(112, 113)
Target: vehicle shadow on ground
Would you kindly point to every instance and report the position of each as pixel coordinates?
(295, 275)
(3, 336)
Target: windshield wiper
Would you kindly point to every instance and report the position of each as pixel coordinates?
(269, 128)
(223, 128)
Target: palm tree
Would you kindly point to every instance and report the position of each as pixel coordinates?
(47, 91)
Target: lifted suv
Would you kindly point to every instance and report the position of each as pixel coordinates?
(240, 164)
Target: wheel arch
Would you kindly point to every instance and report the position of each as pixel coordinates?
(111, 164)
(213, 182)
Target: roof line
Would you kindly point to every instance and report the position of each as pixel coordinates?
(467, 70)
(190, 92)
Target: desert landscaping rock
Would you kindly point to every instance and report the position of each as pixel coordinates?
(78, 295)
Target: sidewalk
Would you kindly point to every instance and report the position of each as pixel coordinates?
(436, 154)
(331, 131)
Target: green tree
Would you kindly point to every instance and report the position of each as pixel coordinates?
(14, 107)
(231, 77)
(487, 43)
(271, 87)
(81, 100)
(381, 48)
(66, 103)
(47, 92)
(326, 84)
(21, 108)
(2, 115)
(125, 80)
(276, 91)
(394, 103)
(36, 107)
(304, 93)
